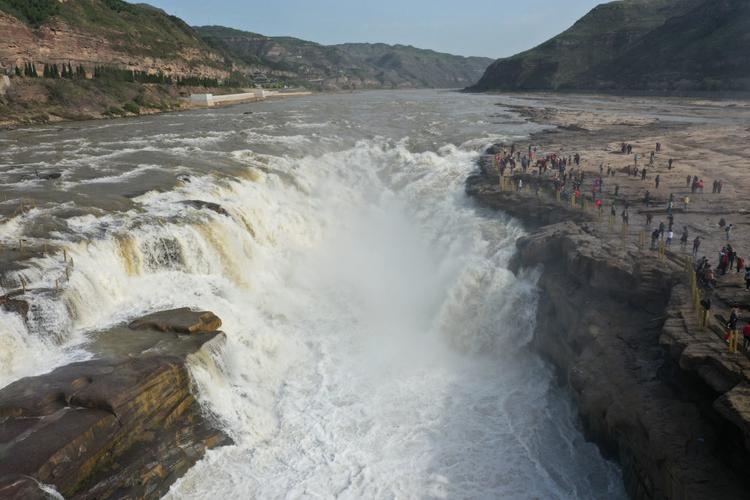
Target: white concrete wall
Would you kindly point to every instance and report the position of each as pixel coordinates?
(202, 99)
(255, 95)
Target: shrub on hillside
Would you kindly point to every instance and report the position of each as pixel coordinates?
(34, 12)
(132, 107)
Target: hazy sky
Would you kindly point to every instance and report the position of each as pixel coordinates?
(492, 28)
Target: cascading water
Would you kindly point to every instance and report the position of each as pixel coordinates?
(377, 345)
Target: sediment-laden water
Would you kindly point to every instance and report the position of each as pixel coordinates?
(377, 345)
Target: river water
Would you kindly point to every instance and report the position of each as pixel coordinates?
(377, 346)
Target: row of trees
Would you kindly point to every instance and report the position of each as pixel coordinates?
(78, 72)
(51, 71)
(127, 75)
(56, 71)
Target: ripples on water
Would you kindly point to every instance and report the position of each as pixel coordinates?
(377, 344)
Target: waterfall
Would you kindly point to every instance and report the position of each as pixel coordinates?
(377, 344)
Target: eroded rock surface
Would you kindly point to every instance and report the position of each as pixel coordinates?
(122, 426)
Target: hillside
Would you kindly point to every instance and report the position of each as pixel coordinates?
(664, 45)
(103, 32)
(347, 65)
(82, 59)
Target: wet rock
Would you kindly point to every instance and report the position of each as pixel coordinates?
(207, 205)
(48, 176)
(23, 487)
(179, 321)
(14, 305)
(125, 426)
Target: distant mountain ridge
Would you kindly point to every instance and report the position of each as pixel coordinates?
(144, 38)
(353, 65)
(638, 45)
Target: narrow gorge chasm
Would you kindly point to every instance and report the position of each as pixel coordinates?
(649, 385)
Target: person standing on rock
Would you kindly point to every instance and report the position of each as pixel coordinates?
(740, 264)
(657, 180)
(654, 239)
(733, 319)
(670, 235)
(746, 336)
(684, 238)
(706, 305)
(732, 330)
(696, 246)
(661, 230)
(643, 174)
(747, 278)
(723, 261)
(728, 230)
(689, 181)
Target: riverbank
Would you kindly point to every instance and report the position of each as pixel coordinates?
(654, 389)
(38, 101)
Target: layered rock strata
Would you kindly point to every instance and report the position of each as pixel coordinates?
(123, 425)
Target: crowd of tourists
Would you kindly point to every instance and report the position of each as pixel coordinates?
(568, 178)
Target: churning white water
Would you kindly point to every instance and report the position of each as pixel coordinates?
(377, 345)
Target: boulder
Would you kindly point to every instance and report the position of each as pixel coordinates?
(179, 321)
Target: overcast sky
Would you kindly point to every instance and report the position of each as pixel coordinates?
(492, 28)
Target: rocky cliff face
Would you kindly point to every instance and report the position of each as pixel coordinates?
(665, 45)
(98, 32)
(615, 325)
(124, 425)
